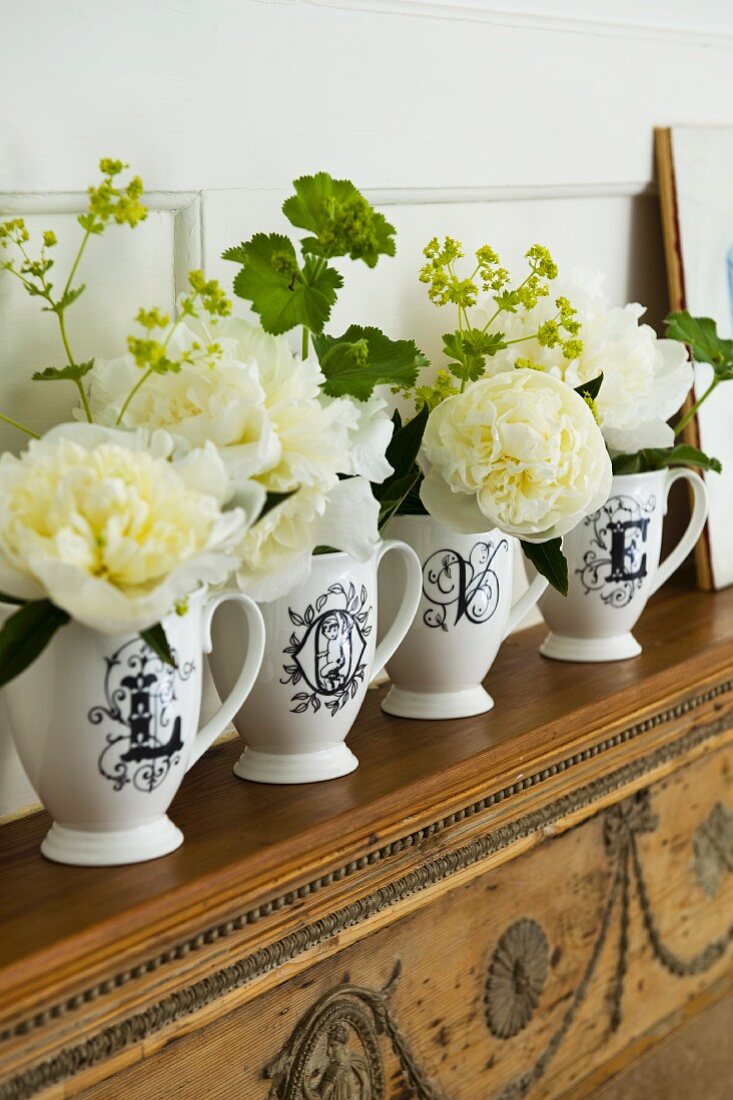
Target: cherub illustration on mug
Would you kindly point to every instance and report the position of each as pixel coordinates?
(333, 653)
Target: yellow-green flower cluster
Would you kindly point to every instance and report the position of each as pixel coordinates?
(32, 273)
(443, 386)
(108, 201)
(152, 355)
(591, 403)
(208, 293)
(13, 232)
(470, 345)
(562, 329)
(444, 285)
(493, 275)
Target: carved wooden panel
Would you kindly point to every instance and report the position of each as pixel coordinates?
(534, 979)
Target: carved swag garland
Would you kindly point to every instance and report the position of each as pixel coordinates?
(334, 1052)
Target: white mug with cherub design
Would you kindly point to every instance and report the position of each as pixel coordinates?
(320, 654)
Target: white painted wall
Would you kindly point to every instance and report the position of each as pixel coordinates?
(489, 119)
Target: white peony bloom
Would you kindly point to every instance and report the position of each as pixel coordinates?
(520, 451)
(369, 440)
(101, 523)
(645, 379)
(258, 403)
(276, 553)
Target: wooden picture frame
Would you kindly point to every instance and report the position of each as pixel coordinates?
(697, 223)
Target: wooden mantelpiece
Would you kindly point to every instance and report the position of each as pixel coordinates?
(583, 831)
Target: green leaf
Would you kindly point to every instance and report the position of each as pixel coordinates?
(590, 389)
(5, 598)
(71, 372)
(156, 638)
(363, 358)
(549, 560)
(237, 253)
(26, 634)
(404, 446)
(412, 505)
(401, 454)
(701, 335)
(66, 299)
(343, 221)
(468, 351)
(659, 458)
(399, 490)
(280, 292)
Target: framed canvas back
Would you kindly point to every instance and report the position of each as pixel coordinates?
(695, 169)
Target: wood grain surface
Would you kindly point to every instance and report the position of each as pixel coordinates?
(100, 969)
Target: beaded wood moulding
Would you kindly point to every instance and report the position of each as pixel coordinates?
(521, 904)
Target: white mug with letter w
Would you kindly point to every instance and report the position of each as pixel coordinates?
(613, 567)
(465, 613)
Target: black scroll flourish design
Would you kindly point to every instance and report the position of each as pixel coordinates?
(140, 696)
(470, 585)
(615, 565)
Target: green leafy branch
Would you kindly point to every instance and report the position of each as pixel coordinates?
(108, 202)
(706, 346)
(288, 290)
(701, 336)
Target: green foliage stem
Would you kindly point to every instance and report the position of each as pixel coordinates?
(107, 202)
(706, 346)
(287, 290)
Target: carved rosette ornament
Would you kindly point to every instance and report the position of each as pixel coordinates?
(517, 975)
(713, 849)
(623, 824)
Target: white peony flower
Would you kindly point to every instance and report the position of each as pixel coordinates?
(520, 451)
(276, 553)
(258, 403)
(101, 523)
(369, 440)
(645, 380)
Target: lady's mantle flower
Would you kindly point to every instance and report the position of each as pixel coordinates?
(645, 380)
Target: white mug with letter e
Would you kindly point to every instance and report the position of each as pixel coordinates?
(320, 655)
(106, 730)
(614, 567)
(464, 615)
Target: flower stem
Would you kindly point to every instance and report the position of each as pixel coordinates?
(78, 381)
(693, 409)
(75, 264)
(130, 396)
(20, 427)
(304, 344)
